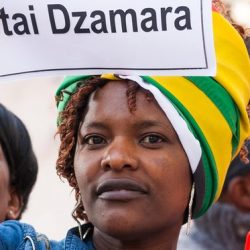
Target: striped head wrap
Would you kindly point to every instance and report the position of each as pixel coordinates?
(208, 114)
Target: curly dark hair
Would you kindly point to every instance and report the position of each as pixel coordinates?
(17, 148)
(71, 120)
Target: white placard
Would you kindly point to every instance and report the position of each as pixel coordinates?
(149, 37)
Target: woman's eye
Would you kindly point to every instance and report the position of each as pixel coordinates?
(152, 139)
(94, 140)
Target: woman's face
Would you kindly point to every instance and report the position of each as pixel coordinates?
(4, 186)
(132, 171)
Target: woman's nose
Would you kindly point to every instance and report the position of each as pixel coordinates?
(120, 155)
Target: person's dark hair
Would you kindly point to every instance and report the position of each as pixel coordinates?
(71, 120)
(17, 148)
(240, 166)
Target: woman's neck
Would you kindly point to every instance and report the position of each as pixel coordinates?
(158, 241)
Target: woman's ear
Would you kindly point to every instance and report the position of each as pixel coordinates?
(239, 192)
(14, 206)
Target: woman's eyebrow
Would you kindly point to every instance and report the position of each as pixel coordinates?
(95, 124)
(151, 123)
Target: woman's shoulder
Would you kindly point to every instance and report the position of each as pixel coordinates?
(22, 236)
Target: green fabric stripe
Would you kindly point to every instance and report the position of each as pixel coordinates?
(66, 96)
(69, 85)
(219, 96)
(237, 138)
(69, 80)
(211, 175)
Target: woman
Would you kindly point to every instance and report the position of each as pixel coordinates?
(146, 154)
(112, 135)
(18, 166)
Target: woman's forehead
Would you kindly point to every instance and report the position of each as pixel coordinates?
(3, 161)
(1, 153)
(111, 89)
(113, 99)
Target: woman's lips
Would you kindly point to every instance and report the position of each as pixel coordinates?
(120, 190)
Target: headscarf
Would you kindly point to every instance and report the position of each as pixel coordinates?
(213, 108)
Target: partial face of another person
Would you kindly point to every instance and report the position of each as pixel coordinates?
(131, 169)
(4, 186)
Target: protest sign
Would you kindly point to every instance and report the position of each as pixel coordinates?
(160, 37)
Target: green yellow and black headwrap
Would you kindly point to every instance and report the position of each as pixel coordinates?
(214, 109)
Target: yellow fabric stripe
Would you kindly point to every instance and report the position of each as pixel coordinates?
(202, 108)
(110, 77)
(233, 68)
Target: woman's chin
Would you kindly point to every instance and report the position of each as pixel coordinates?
(118, 227)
